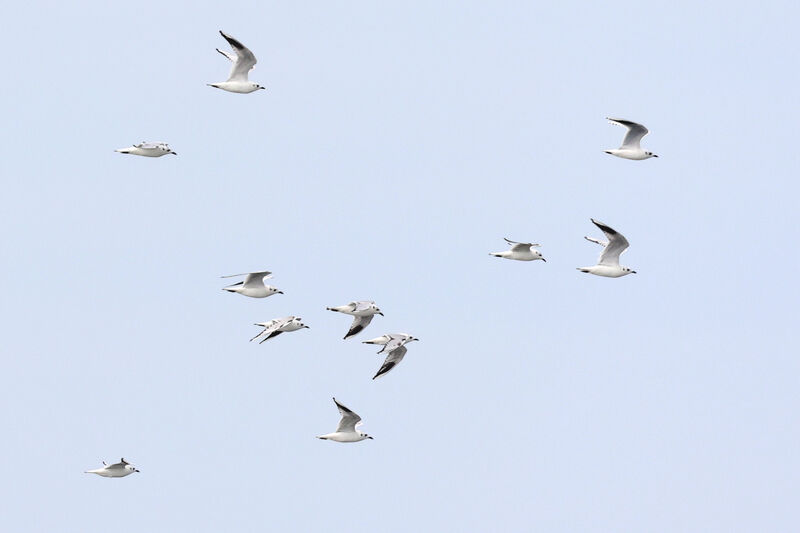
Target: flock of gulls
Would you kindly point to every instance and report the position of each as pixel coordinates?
(393, 344)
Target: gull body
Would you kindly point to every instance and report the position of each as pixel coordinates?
(276, 326)
(253, 285)
(121, 469)
(243, 63)
(394, 346)
(147, 149)
(630, 148)
(608, 264)
(520, 251)
(346, 431)
(362, 310)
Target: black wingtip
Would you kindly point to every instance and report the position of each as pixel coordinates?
(604, 227)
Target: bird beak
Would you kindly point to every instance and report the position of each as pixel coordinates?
(135, 469)
(633, 272)
(280, 292)
(654, 155)
(543, 259)
(306, 326)
(370, 438)
(176, 153)
(380, 313)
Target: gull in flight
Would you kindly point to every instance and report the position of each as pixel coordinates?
(520, 251)
(121, 469)
(253, 285)
(394, 346)
(148, 149)
(363, 311)
(346, 432)
(630, 148)
(608, 265)
(276, 326)
(243, 62)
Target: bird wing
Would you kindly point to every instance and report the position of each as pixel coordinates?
(617, 244)
(152, 146)
(520, 246)
(229, 55)
(362, 305)
(256, 279)
(253, 279)
(597, 241)
(359, 323)
(349, 419)
(634, 134)
(395, 342)
(392, 359)
(245, 60)
(269, 328)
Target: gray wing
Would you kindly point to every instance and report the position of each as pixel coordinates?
(617, 244)
(359, 323)
(349, 419)
(362, 305)
(520, 246)
(270, 329)
(152, 146)
(634, 134)
(256, 279)
(245, 60)
(395, 341)
(229, 55)
(597, 241)
(392, 360)
(277, 328)
(253, 279)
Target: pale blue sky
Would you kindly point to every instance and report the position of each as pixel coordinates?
(394, 147)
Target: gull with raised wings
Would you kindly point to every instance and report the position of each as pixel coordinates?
(630, 148)
(243, 63)
(608, 265)
(346, 432)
